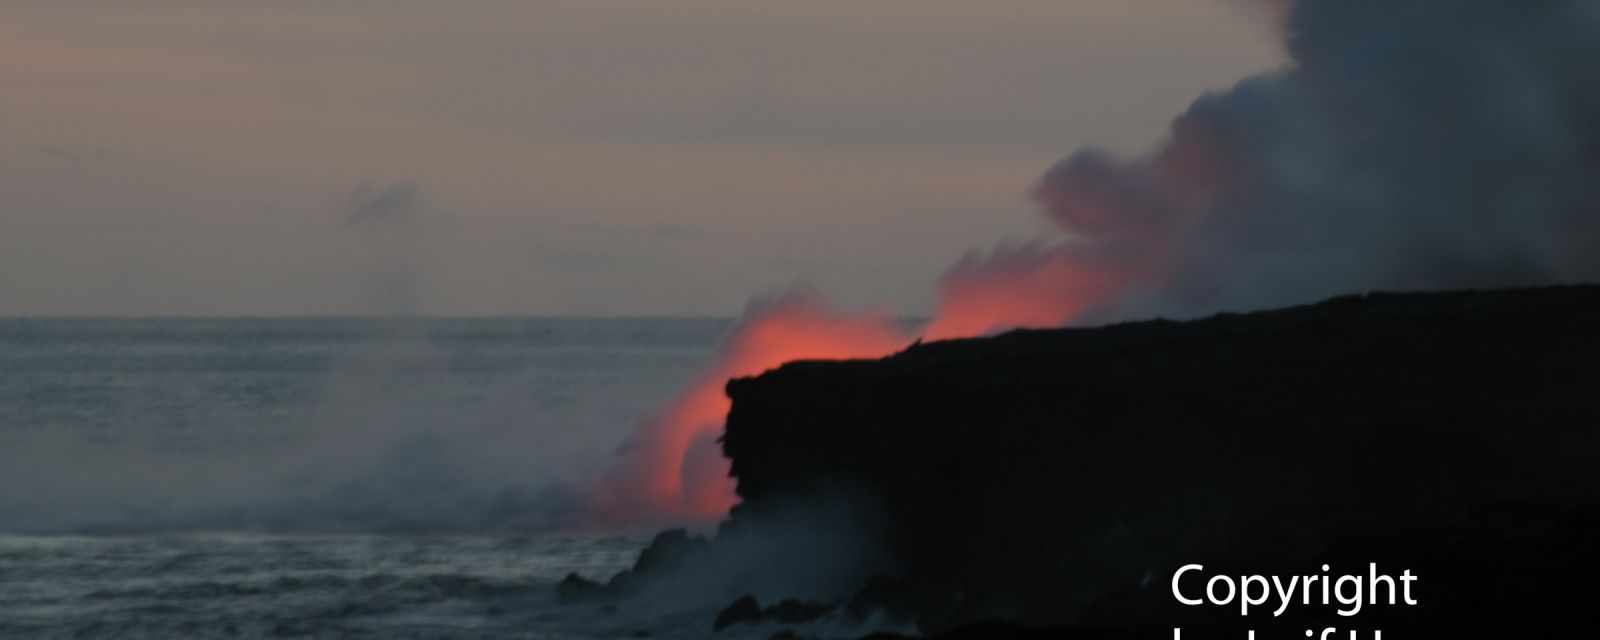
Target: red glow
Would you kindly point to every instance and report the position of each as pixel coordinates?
(671, 473)
(1014, 288)
(675, 471)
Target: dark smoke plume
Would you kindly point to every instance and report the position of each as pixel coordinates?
(1410, 144)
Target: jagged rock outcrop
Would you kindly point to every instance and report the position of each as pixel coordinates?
(669, 555)
(748, 610)
(1059, 477)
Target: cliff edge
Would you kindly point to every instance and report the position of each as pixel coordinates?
(1060, 477)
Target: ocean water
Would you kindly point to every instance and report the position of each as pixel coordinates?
(173, 478)
(251, 585)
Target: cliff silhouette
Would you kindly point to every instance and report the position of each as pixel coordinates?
(1048, 483)
(1057, 478)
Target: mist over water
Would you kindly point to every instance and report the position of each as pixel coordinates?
(322, 425)
(401, 478)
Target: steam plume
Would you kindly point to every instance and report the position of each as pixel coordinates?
(1409, 144)
(672, 469)
(1417, 144)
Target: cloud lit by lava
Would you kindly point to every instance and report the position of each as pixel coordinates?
(1416, 144)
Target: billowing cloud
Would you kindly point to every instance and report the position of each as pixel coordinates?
(1412, 145)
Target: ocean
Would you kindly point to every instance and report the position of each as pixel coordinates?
(327, 478)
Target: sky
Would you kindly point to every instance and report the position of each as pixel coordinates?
(603, 157)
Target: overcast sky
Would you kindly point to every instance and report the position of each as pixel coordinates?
(558, 157)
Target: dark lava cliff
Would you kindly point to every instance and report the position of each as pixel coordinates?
(1059, 477)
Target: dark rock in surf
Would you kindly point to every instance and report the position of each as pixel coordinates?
(745, 610)
(669, 553)
(576, 588)
(791, 611)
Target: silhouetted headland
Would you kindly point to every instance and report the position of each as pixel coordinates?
(1056, 479)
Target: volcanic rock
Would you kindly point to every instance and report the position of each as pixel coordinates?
(745, 610)
(1057, 478)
